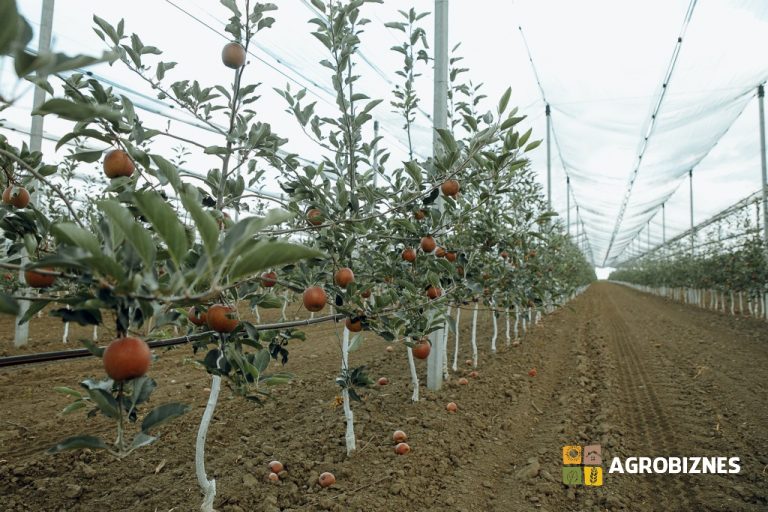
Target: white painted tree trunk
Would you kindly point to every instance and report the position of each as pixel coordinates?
(286, 300)
(414, 376)
(95, 333)
(507, 318)
(733, 304)
(474, 335)
(741, 303)
(65, 336)
(446, 330)
(348, 416)
(765, 305)
(456, 340)
(517, 321)
(208, 487)
(495, 327)
(258, 315)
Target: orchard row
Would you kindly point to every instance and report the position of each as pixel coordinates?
(388, 247)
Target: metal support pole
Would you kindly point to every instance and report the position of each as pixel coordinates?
(690, 182)
(568, 203)
(757, 214)
(440, 119)
(760, 101)
(648, 239)
(549, 157)
(21, 334)
(578, 222)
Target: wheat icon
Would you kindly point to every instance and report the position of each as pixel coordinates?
(593, 476)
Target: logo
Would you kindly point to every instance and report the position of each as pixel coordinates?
(593, 476)
(583, 466)
(571, 455)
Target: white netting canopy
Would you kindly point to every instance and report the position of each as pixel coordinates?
(601, 65)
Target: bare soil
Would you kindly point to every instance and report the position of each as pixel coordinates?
(640, 375)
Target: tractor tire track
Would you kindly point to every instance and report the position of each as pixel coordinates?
(647, 410)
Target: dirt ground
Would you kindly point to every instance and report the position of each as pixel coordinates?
(640, 375)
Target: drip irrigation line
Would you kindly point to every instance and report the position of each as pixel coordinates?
(61, 355)
(44, 357)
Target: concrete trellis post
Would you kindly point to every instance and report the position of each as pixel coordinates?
(21, 334)
(440, 119)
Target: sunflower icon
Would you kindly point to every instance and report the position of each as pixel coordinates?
(571, 455)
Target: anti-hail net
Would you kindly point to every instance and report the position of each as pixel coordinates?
(601, 65)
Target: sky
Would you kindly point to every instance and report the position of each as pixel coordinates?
(599, 63)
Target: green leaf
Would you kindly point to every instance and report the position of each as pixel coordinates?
(168, 172)
(63, 62)
(533, 145)
(232, 6)
(264, 255)
(163, 414)
(276, 379)
(86, 156)
(162, 67)
(414, 171)
(9, 25)
(142, 389)
(134, 233)
(77, 442)
(140, 440)
(71, 234)
(107, 28)
(72, 111)
(34, 309)
(510, 122)
(216, 150)
(356, 342)
(74, 406)
(82, 133)
(268, 301)
(68, 391)
(448, 141)
(8, 305)
(505, 100)
(128, 110)
(92, 347)
(163, 218)
(261, 361)
(243, 232)
(205, 223)
(106, 402)
(105, 265)
(526, 136)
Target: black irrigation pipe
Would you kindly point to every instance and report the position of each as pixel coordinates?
(45, 357)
